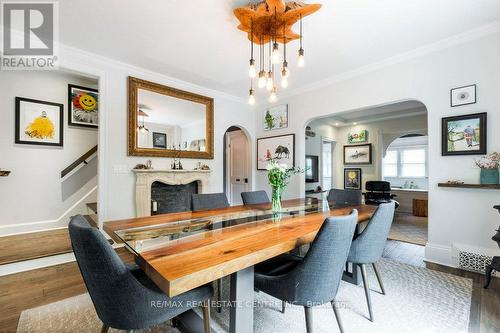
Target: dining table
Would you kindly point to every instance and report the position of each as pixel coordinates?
(184, 250)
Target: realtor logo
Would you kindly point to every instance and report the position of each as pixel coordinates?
(29, 35)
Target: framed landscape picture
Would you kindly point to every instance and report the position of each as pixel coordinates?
(276, 118)
(38, 122)
(358, 154)
(83, 106)
(159, 140)
(281, 147)
(463, 95)
(352, 178)
(464, 135)
(358, 137)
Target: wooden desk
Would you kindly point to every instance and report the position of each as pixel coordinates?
(216, 244)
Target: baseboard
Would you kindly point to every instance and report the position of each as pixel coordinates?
(439, 254)
(60, 222)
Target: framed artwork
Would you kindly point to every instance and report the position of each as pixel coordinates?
(281, 147)
(358, 154)
(358, 137)
(352, 178)
(39, 122)
(276, 118)
(83, 106)
(463, 95)
(159, 140)
(464, 135)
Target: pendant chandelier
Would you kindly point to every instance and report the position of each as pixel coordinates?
(269, 23)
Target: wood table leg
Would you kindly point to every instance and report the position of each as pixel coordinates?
(242, 301)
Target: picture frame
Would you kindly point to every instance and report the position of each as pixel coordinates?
(276, 118)
(358, 137)
(358, 154)
(83, 106)
(465, 95)
(159, 140)
(312, 169)
(38, 122)
(464, 134)
(353, 178)
(279, 146)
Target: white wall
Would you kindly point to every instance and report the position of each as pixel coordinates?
(116, 181)
(34, 191)
(455, 215)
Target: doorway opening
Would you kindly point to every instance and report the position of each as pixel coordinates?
(237, 164)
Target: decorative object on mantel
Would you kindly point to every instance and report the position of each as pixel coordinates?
(176, 163)
(147, 166)
(464, 135)
(495, 262)
(279, 177)
(455, 182)
(270, 22)
(489, 168)
(4, 173)
(202, 167)
(463, 95)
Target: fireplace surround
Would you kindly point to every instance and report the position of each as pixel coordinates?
(146, 178)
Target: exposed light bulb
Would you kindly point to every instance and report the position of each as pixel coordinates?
(273, 98)
(284, 82)
(276, 56)
(251, 71)
(251, 97)
(285, 72)
(301, 61)
(261, 83)
(270, 81)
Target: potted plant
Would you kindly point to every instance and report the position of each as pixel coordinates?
(279, 178)
(489, 168)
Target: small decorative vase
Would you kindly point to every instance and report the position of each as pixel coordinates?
(276, 199)
(490, 176)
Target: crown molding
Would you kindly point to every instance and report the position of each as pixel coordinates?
(443, 44)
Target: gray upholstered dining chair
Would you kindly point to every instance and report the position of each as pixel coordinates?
(123, 296)
(314, 279)
(255, 198)
(209, 201)
(368, 247)
(345, 197)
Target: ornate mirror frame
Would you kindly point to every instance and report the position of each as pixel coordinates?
(134, 84)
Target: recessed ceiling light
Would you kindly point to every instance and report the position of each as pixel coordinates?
(336, 124)
(354, 123)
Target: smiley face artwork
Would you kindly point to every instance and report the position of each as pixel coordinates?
(83, 106)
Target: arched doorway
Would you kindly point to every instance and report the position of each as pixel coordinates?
(237, 164)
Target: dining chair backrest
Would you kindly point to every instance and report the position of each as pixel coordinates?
(209, 201)
(317, 278)
(369, 246)
(255, 198)
(112, 288)
(348, 197)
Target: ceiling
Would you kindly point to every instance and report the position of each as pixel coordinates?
(375, 114)
(197, 40)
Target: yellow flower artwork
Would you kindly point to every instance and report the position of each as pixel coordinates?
(41, 128)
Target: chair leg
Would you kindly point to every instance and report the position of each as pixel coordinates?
(367, 289)
(379, 278)
(104, 328)
(283, 305)
(337, 316)
(309, 320)
(206, 316)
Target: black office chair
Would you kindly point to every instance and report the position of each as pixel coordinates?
(122, 294)
(378, 192)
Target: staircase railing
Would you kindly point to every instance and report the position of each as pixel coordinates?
(80, 160)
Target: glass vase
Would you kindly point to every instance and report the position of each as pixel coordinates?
(276, 199)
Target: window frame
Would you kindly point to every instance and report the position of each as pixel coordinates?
(399, 164)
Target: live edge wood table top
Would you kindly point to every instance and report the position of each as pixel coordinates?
(181, 251)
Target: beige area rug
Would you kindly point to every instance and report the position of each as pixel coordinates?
(410, 229)
(417, 300)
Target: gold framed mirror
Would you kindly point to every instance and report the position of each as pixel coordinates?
(168, 122)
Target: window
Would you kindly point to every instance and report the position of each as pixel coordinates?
(406, 162)
(327, 148)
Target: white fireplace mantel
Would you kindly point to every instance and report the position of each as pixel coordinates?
(146, 178)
